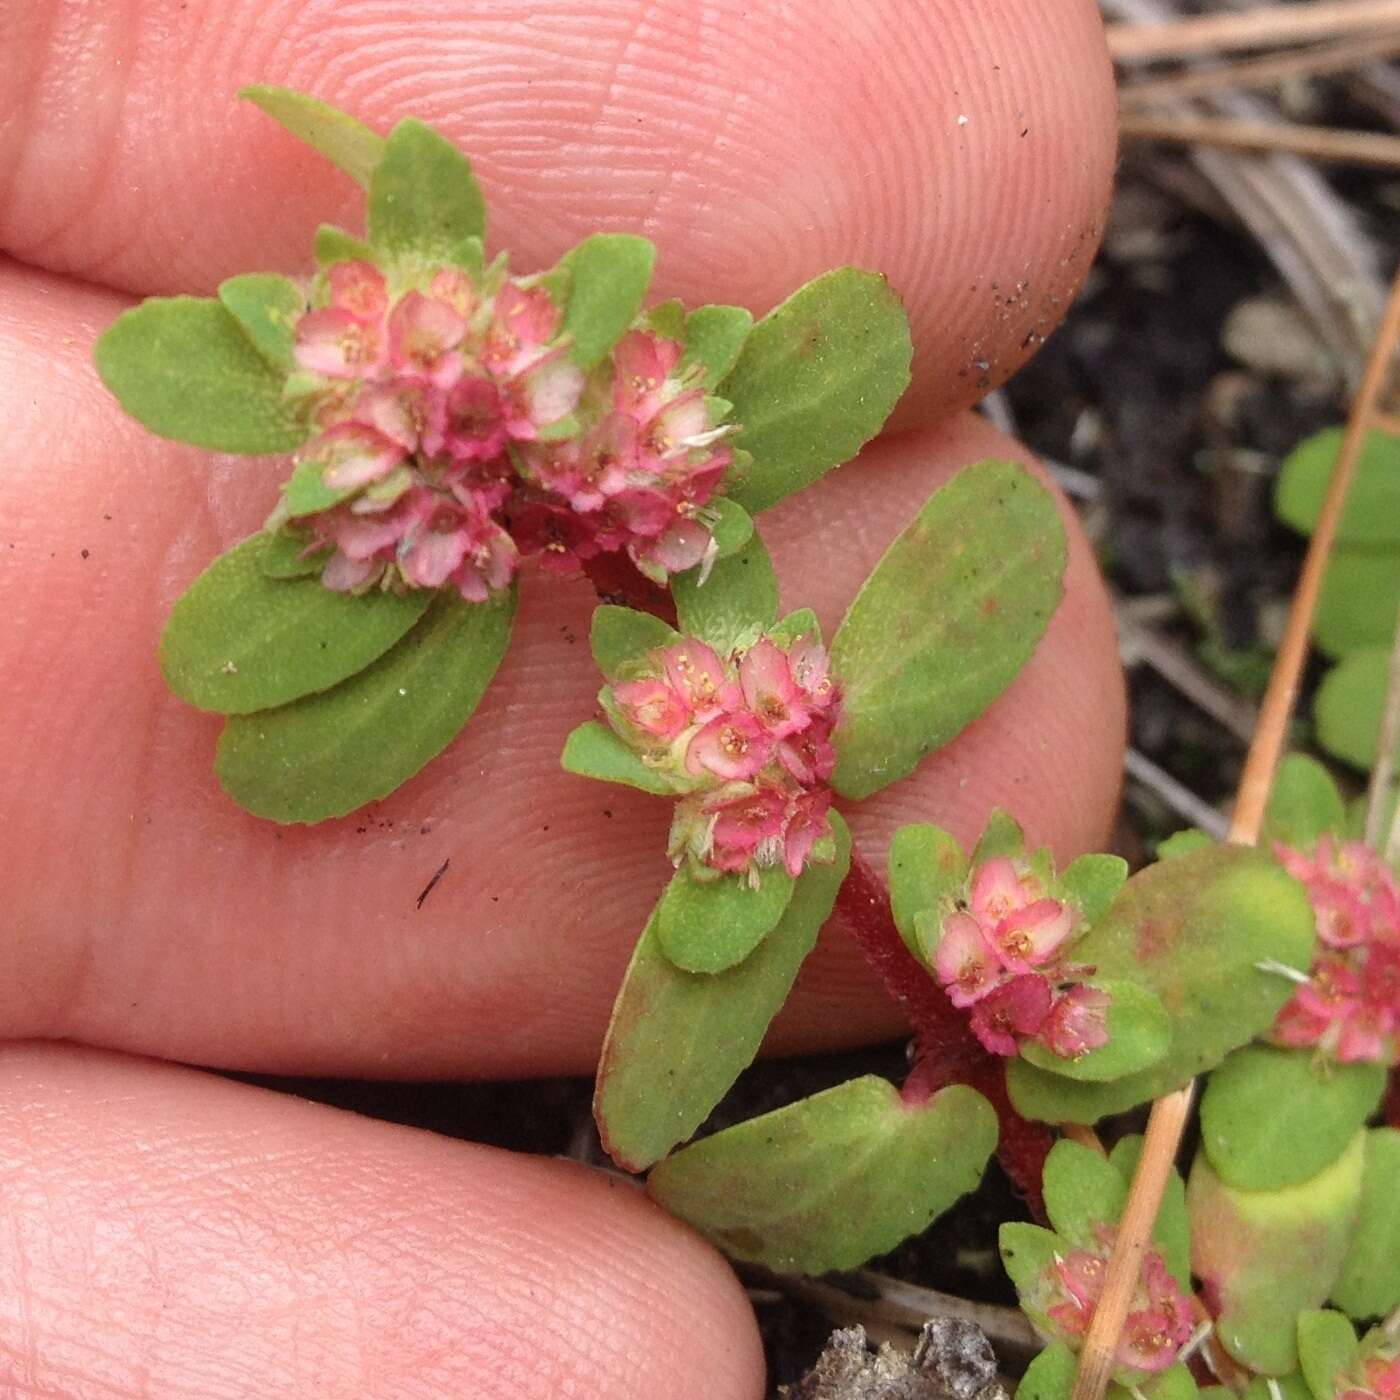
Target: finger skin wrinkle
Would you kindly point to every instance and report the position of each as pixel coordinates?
(197, 1238)
(963, 150)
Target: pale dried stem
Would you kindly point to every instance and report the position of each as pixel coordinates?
(1315, 142)
(1383, 773)
(1170, 1113)
(1269, 26)
(1310, 62)
(1386, 423)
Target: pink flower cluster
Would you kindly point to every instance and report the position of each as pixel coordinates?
(745, 740)
(1379, 1380)
(1159, 1323)
(1001, 954)
(460, 436)
(1350, 1005)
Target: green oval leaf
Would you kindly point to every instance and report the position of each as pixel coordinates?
(1327, 1351)
(184, 367)
(619, 635)
(1372, 513)
(815, 381)
(423, 197)
(1359, 601)
(827, 1182)
(1348, 706)
(711, 925)
(713, 337)
(732, 526)
(1303, 803)
(945, 622)
(738, 601)
(1272, 1117)
(345, 142)
(1139, 1036)
(284, 555)
(1083, 1189)
(327, 754)
(239, 640)
(334, 245)
(927, 870)
(1192, 930)
(1370, 1281)
(594, 751)
(1266, 1256)
(1092, 883)
(1050, 1376)
(266, 306)
(678, 1040)
(608, 276)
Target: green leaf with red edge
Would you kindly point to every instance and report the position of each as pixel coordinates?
(1303, 803)
(1139, 1035)
(1192, 930)
(1266, 1256)
(1370, 1281)
(1328, 1352)
(738, 601)
(327, 754)
(186, 369)
(927, 871)
(814, 382)
(1274, 1117)
(620, 635)
(595, 751)
(266, 306)
(945, 622)
(608, 278)
(678, 1040)
(239, 640)
(423, 197)
(714, 336)
(829, 1181)
(345, 142)
(711, 925)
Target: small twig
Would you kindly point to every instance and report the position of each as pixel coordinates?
(1260, 72)
(1176, 795)
(1269, 26)
(1084, 1135)
(1167, 1120)
(1383, 773)
(432, 884)
(1316, 142)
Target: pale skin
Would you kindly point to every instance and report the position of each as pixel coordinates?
(167, 1233)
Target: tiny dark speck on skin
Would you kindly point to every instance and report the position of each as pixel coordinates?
(85, 553)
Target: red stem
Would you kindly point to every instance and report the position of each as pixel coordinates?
(616, 579)
(1391, 1106)
(945, 1049)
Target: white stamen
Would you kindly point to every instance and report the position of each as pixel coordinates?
(707, 561)
(1275, 1389)
(707, 437)
(1194, 1341)
(1283, 970)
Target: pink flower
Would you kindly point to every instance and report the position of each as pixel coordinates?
(337, 344)
(653, 708)
(700, 677)
(643, 363)
(807, 823)
(809, 755)
(1077, 1022)
(352, 456)
(965, 965)
(734, 747)
(467, 422)
(770, 690)
(1027, 937)
(745, 829)
(423, 337)
(358, 289)
(1016, 1008)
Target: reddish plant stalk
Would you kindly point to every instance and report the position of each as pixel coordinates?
(616, 579)
(945, 1049)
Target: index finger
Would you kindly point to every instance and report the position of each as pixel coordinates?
(963, 149)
